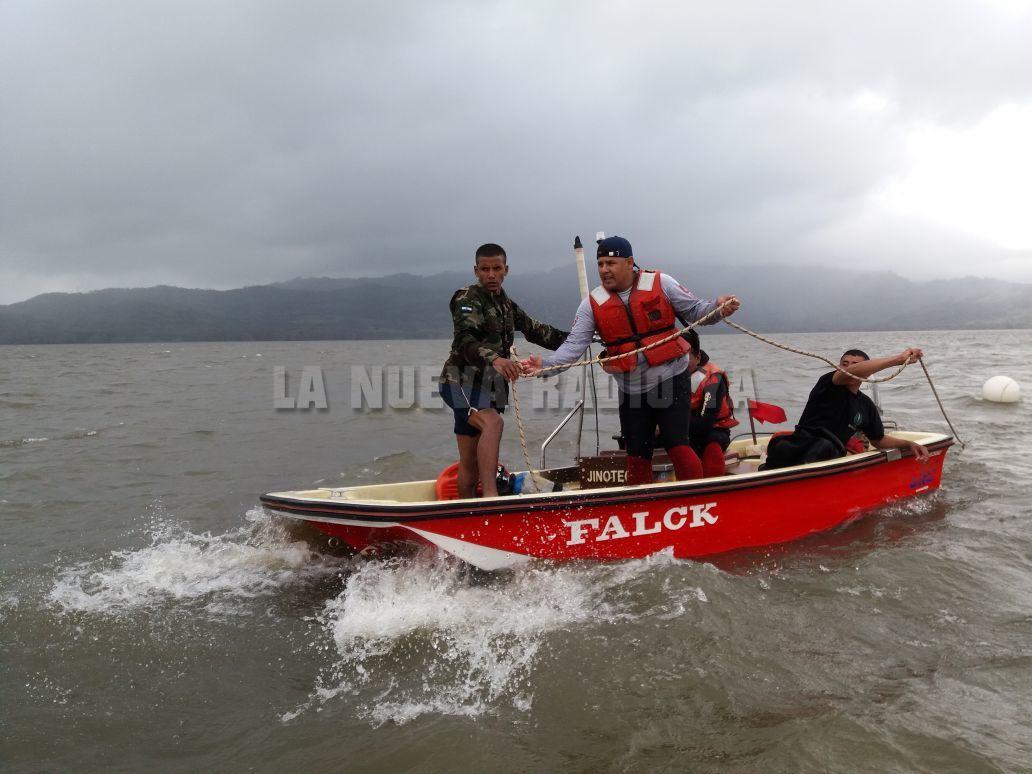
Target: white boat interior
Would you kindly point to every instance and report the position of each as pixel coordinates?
(743, 457)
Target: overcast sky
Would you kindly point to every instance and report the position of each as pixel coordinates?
(224, 143)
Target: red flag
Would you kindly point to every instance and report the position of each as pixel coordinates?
(766, 412)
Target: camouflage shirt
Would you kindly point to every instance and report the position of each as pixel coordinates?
(485, 326)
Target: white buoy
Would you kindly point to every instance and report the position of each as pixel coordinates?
(1001, 389)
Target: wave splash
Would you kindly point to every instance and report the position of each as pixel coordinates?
(179, 566)
(428, 635)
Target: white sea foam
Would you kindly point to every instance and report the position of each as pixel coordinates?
(8, 601)
(425, 636)
(179, 565)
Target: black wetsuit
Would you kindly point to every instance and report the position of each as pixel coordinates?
(833, 415)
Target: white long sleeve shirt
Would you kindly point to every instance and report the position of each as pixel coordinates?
(643, 377)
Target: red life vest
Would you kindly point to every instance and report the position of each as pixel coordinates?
(726, 414)
(646, 317)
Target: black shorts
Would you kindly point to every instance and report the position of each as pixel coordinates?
(464, 401)
(667, 406)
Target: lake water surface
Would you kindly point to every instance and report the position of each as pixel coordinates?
(152, 617)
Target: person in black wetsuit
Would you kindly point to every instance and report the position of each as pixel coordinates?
(836, 410)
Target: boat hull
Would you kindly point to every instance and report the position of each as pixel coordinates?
(692, 519)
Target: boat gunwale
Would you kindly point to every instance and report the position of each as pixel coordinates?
(334, 509)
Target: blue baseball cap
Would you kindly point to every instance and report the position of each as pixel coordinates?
(615, 247)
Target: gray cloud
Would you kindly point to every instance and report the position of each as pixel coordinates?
(230, 143)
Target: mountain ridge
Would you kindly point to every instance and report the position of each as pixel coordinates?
(775, 298)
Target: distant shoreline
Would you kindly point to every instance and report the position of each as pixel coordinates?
(775, 300)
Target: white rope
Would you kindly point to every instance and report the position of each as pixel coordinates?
(868, 379)
(519, 426)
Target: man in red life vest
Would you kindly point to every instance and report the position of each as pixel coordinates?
(631, 309)
(713, 416)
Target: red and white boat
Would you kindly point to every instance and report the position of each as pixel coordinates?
(566, 517)
(567, 520)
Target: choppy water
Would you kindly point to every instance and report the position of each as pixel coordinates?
(152, 617)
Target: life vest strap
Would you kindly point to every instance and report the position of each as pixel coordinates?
(637, 339)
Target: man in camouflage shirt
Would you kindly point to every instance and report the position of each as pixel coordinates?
(474, 382)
